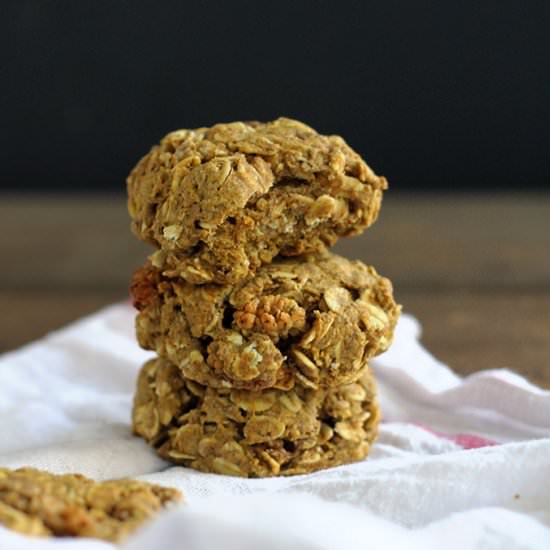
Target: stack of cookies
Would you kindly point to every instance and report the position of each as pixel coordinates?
(263, 337)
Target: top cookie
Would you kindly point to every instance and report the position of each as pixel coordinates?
(219, 202)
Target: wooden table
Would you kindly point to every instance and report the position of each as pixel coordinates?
(475, 269)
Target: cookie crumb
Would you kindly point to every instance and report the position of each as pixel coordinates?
(36, 502)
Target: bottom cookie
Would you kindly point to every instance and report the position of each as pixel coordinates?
(253, 433)
(35, 502)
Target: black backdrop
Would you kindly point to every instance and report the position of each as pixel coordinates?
(435, 95)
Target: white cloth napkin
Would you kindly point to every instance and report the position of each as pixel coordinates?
(460, 463)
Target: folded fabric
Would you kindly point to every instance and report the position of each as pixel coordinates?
(459, 463)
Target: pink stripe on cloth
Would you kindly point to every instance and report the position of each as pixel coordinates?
(466, 441)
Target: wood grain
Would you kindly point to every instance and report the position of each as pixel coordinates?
(474, 269)
(472, 330)
(420, 241)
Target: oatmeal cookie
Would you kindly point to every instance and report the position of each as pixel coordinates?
(219, 202)
(250, 433)
(313, 320)
(36, 502)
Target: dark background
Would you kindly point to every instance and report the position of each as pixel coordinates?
(435, 95)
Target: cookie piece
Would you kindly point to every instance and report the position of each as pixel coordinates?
(313, 320)
(221, 201)
(250, 433)
(39, 503)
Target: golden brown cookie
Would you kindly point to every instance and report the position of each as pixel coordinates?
(313, 321)
(251, 433)
(36, 502)
(219, 202)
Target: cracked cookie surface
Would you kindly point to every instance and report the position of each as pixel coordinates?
(313, 321)
(219, 202)
(252, 433)
(35, 502)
